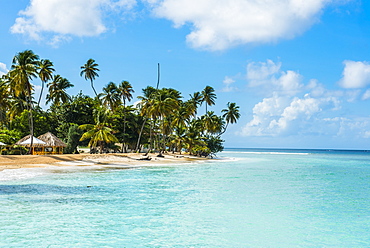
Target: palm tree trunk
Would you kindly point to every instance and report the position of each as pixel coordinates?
(42, 89)
(124, 127)
(30, 117)
(138, 140)
(92, 86)
(218, 136)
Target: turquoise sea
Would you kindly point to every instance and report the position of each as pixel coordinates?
(245, 198)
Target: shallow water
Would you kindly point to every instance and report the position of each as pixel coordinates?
(263, 198)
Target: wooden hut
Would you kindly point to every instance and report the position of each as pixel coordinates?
(45, 144)
(53, 144)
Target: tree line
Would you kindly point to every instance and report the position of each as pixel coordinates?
(162, 121)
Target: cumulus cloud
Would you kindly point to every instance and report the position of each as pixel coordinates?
(269, 76)
(62, 18)
(356, 75)
(288, 106)
(3, 69)
(277, 115)
(218, 25)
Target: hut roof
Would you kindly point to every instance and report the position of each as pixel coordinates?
(28, 137)
(51, 140)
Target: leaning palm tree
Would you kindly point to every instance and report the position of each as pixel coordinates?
(45, 72)
(57, 91)
(231, 114)
(89, 70)
(125, 90)
(209, 96)
(23, 70)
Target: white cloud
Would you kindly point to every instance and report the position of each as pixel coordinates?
(218, 25)
(228, 81)
(289, 106)
(269, 76)
(283, 115)
(62, 18)
(355, 75)
(3, 69)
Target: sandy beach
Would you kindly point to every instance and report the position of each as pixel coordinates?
(84, 159)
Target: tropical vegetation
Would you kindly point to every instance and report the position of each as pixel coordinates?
(162, 121)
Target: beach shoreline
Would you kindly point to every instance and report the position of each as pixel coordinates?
(85, 159)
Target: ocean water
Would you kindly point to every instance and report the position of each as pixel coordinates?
(246, 198)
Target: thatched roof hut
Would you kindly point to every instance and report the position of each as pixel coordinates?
(51, 140)
(47, 143)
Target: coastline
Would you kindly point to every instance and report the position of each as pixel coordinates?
(123, 159)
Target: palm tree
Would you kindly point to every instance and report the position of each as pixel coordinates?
(57, 90)
(23, 70)
(193, 136)
(182, 115)
(110, 96)
(179, 138)
(99, 133)
(45, 72)
(89, 70)
(163, 106)
(208, 96)
(195, 101)
(212, 123)
(125, 90)
(231, 114)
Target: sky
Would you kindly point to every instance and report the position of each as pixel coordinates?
(298, 69)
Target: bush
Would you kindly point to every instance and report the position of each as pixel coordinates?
(18, 150)
(14, 152)
(4, 152)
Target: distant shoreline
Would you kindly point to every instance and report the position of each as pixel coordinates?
(137, 159)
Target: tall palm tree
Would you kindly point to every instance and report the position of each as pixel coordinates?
(57, 90)
(125, 90)
(110, 96)
(209, 96)
(45, 72)
(231, 114)
(89, 70)
(23, 70)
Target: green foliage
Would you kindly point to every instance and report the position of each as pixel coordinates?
(42, 123)
(214, 144)
(9, 136)
(18, 150)
(73, 137)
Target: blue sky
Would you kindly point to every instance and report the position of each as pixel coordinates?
(299, 70)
